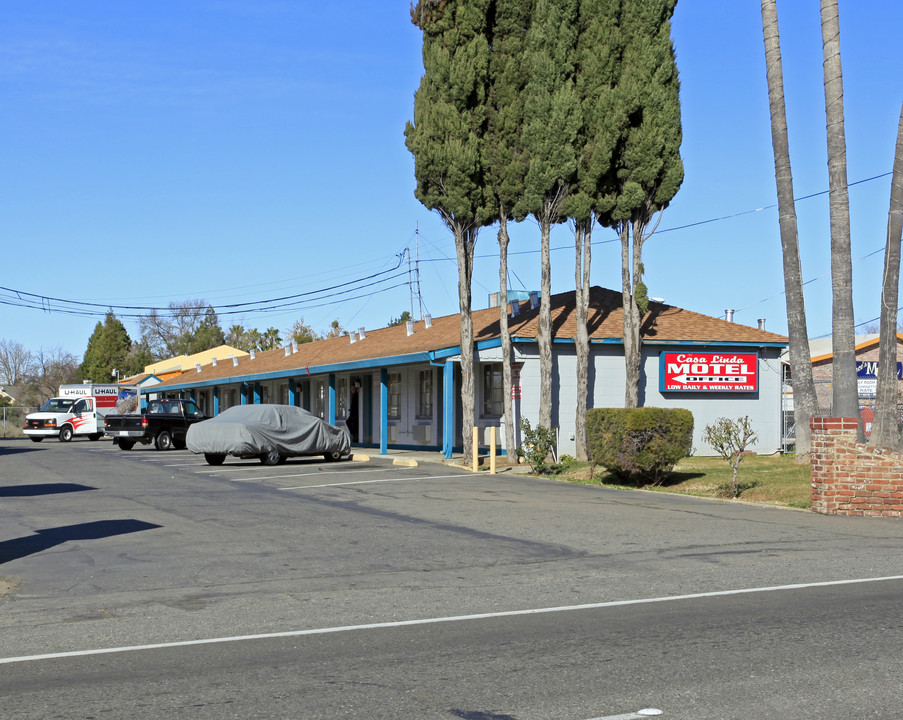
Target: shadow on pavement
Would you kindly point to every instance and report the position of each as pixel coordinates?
(18, 449)
(46, 489)
(45, 539)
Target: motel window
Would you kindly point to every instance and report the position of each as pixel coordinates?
(320, 406)
(492, 390)
(395, 395)
(341, 400)
(425, 394)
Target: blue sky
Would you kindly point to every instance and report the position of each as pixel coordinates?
(239, 151)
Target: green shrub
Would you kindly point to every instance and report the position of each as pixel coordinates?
(537, 447)
(638, 445)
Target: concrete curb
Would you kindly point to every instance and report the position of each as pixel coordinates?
(406, 462)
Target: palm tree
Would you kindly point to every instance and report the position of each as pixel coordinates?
(804, 401)
(884, 429)
(845, 400)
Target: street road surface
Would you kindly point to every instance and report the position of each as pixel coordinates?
(148, 584)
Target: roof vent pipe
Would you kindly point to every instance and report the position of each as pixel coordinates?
(761, 323)
(288, 350)
(534, 299)
(410, 327)
(362, 333)
(729, 315)
(234, 360)
(353, 337)
(514, 306)
(214, 362)
(428, 320)
(294, 346)
(197, 367)
(253, 354)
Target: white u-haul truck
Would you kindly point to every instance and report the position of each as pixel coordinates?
(79, 410)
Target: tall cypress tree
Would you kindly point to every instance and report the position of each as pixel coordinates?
(446, 142)
(551, 123)
(505, 159)
(597, 65)
(108, 349)
(647, 161)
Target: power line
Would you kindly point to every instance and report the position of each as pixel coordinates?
(311, 298)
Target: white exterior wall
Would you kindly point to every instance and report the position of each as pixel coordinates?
(607, 380)
(763, 408)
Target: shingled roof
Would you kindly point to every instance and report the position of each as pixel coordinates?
(662, 323)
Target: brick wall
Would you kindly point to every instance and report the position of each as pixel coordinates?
(849, 478)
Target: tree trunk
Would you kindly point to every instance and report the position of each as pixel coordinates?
(631, 323)
(544, 334)
(845, 393)
(465, 239)
(885, 433)
(582, 237)
(508, 402)
(804, 401)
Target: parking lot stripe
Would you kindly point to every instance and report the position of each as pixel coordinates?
(364, 482)
(304, 474)
(446, 619)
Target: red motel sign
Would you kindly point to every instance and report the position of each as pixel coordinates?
(709, 372)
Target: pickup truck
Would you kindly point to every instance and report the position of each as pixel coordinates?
(164, 423)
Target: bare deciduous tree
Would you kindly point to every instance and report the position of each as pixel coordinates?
(16, 363)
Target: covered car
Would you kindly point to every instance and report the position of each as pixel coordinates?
(271, 433)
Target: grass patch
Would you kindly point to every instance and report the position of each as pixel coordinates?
(769, 479)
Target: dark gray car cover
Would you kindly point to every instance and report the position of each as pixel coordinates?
(247, 430)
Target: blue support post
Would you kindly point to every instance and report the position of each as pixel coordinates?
(243, 394)
(383, 411)
(331, 398)
(448, 408)
(215, 400)
(257, 393)
(292, 395)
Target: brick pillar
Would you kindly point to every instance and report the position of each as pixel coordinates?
(830, 472)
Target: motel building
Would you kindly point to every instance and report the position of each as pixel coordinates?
(408, 378)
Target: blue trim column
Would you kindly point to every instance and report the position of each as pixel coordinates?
(257, 393)
(215, 400)
(331, 411)
(448, 408)
(292, 395)
(305, 395)
(383, 411)
(243, 393)
(368, 408)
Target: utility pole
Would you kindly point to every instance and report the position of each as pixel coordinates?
(417, 267)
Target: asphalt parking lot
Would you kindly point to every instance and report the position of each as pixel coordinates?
(368, 589)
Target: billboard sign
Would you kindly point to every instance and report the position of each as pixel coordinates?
(709, 372)
(867, 377)
(869, 369)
